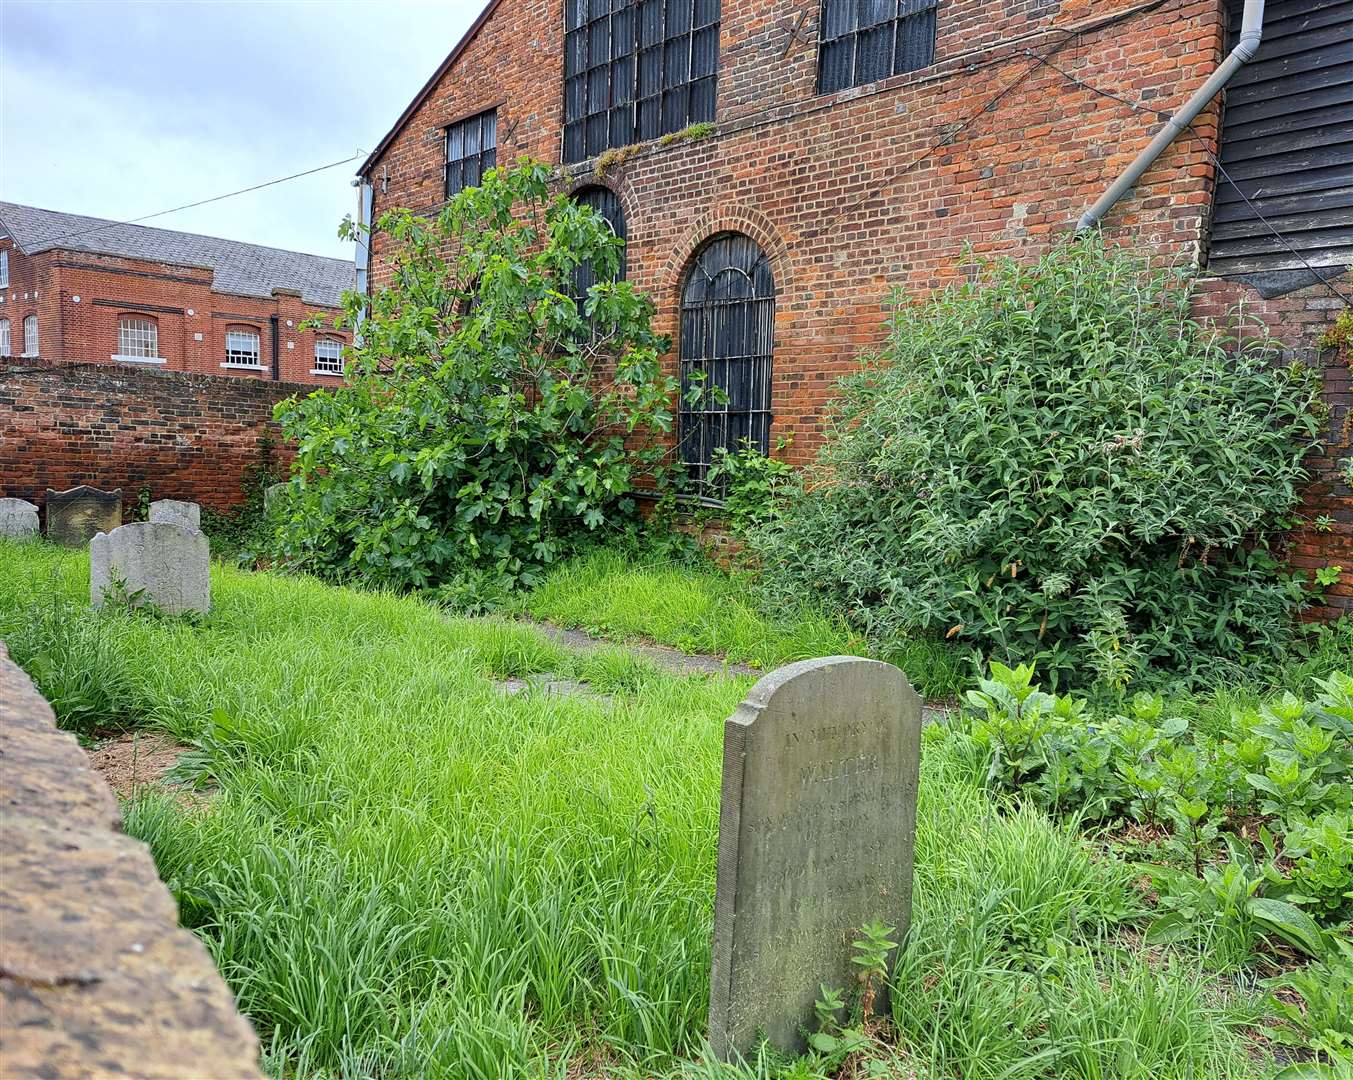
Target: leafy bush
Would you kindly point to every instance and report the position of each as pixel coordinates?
(489, 418)
(1057, 462)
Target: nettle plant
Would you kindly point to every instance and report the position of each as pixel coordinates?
(1055, 461)
(489, 419)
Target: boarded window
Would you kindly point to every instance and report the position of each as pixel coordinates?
(471, 151)
(636, 69)
(862, 41)
(1287, 146)
(727, 331)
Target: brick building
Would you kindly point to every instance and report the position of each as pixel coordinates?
(77, 289)
(778, 166)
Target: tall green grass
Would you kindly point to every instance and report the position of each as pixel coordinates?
(407, 873)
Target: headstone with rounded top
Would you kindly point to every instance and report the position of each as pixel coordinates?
(817, 826)
(76, 515)
(174, 512)
(151, 562)
(18, 517)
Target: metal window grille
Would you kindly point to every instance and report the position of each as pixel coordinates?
(4, 337)
(471, 151)
(863, 41)
(727, 334)
(636, 69)
(138, 337)
(4, 269)
(30, 336)
(606, 203)
(329, 355)
(242, 347)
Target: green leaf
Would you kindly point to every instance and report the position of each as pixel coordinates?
(1289, 922)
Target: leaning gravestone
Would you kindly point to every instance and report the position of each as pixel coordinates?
(273, 494)
(156, 563)
(816, 831)
(18, 517)
(74, 516)
(173, 512)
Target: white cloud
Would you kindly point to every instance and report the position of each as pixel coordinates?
(122, 109)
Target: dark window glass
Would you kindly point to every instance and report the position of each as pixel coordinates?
(637, 69)
(863, 41)
(727, 331)
(471, 150)
(606, 203)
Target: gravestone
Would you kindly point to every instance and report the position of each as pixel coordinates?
(174, 512)
(272, 494)
(18, 517)
(816, 831)
(157, 563)
(74, 516)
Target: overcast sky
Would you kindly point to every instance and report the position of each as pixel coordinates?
(122, 109)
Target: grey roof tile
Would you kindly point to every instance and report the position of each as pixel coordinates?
(237, 268)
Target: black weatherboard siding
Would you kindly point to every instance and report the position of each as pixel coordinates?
(1287, 143)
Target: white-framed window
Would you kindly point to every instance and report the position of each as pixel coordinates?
(30, 336)
(241, 348)
(138, 338)
(4, 337)
(328, 357)
(4, 269)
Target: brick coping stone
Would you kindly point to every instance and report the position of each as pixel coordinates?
(97, 978)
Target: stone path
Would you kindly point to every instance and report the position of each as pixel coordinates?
(664, 656)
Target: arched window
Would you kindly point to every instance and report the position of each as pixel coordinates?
(30, 336)
(138, 338)
(242, 347)
(606, 203)
(328, 357)
(727, 330)
(4, 337)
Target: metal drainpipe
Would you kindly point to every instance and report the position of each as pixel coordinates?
(1251, 33)
(276, 358)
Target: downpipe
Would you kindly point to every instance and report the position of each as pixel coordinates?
(1251, 34)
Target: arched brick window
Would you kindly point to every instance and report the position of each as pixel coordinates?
(4, 337)
(328, 356)
(138, 338)
(727, 334)
(242, 348)
(30, 336)
(606, 203)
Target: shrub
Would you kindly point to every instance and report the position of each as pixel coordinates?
(1057, 462)
(489, 417)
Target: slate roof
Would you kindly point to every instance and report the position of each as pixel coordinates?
(237, 268)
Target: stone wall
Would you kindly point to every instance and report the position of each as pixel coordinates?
(189, 437)
(96, 976)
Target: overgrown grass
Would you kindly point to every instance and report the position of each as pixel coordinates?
(406, 873)
(699, 608)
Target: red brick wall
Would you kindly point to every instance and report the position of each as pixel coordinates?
(184, 436)
(855, 193)
(80, 296)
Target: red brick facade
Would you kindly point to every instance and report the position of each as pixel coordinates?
(857, 192)
(78, 298)
(182, 436)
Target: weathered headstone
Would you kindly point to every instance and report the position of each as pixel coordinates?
(18, 517)
(816, 832)
(174, 512)
(272, 494)
(155, 563)
(74, 516)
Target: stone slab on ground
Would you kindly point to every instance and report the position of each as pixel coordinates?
(817, 824)
(175, 512)
(76, 515)
(157, 563)
(18, 518)
(97, 979)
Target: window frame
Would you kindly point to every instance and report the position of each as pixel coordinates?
(319, 369)
(239, 331)
(4, 268)
(613, 210)
(30, 322)
(5, 341)
(148, 331)
(911, 33)
(485, 157)
(637, 71)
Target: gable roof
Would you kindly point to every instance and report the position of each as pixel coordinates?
(428, 87)
(237, 268)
